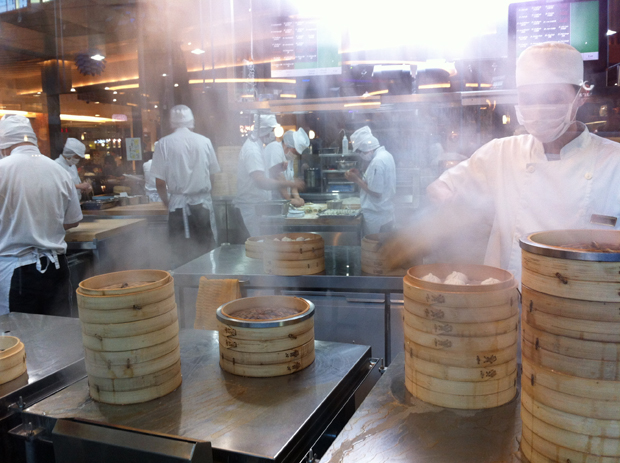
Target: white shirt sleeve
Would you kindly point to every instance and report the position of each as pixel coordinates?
(212, 164)
(254, 162)
(158, 166)
(73, 213)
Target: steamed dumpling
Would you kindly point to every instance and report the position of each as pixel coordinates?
(490, 281)
(276, 239)
(456, 278)
(301, 238)
(286, 238)
(431, 278)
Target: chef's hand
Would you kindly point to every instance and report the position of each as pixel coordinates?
(85, 187)
(403, 249)
(352, 175)
(297, 202)
(283, 166)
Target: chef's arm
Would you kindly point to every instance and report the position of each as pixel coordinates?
(84, 186)
(162, 190)
(265, 183)
(67, 226)
(353, 176)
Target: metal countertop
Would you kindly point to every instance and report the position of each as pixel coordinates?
(263, 418)
(54, 356)
(343, 271)
(393, 426)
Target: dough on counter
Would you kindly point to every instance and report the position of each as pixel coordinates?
(286, 238)
(431, 278)
(490, 281)
(276, 239)
(456, 278)
(301, 238)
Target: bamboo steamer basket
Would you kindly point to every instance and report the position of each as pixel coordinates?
(12, 358)
(130, 335)
(460, 340)
(570, 405)
(254, 247)
(293, 257)
(373, 263)
(266, 347)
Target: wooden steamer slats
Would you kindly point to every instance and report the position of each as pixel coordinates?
(290, 258)
(130, 335)
(461, 341)
(570, 405)
(12, 358)
(266, 347)
(373, 262)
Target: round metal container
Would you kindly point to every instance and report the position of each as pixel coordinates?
(557, 243)
(227, 319)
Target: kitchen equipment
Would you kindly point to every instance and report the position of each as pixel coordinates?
(272, 208)
(312, 178)
(346, 165)
(99, 204)
(12, 358)
(281, 344)
(303, 257)
(351, 213)
(130, 335)
(461, 340)
(254, 247)
(334, 204)
(570, 397)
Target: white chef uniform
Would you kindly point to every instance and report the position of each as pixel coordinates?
(150, 187)
(274, 155)
(185, 160)
(37, 197)
(71, 170)
(381, 178)
(248, 192)
(528, 193)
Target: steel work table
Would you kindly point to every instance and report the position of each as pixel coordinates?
(245, 419)
(54, 358)
(393, 426)
(335, 230)
(343, 272)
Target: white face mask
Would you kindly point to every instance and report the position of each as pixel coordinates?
(72, 161)
(546, 122)
(366, 156)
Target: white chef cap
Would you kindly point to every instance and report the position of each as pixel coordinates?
(15, 129)
(363, 140)
(267, 123)
(181, 116)
(297, 139)
(550, 63)
(73, 147)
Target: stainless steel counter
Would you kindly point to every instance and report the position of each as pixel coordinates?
(343, 272)
(393, 426)
(245, 419)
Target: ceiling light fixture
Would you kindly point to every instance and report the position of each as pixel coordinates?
(197, 51)
(97, 57)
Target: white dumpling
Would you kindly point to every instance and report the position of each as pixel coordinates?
(286, 238)
(490, 281)
(301, 238)
(276, 239)
(431, 278)
(455, 277)
(308, 239)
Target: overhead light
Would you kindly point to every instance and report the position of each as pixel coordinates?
(98, 57)
(189, 43)
(197, 51)
(278, 131)
(96, 102)
(114, 99)
(12, 112)
(78, 118)
(176, 85)
(164, 74)
(155, 106)
(73, 90)
(107, 88)
(82, 137)
(362, 104)
(38, 93)
(125, 86)
(288, 95)
(610, 32)
(97, 115)
(114, 92)
(311, 135)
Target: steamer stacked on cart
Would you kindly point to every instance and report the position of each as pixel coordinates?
(12, 358)
(266, 335)
(293, 254)
(373, 261)
(461, 339)
(130, 334)
(570, 398)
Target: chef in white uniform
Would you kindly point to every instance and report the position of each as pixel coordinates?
(253, 182)
(183, 164)
(279, 161)
(377, 185)
(150, 184)
(559, 176)
(72, 153)
(38, 202)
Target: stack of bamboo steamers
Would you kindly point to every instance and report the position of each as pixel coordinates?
(288, 253)
(130, 335)
(570, 405)
(461, 340)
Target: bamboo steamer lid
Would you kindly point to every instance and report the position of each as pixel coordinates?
(136, 396)
(459, 344)
(581, 406)
(137, 382)
(466, 359)
(463, 388)
(270, 370)
(254, 248)
(12, 358)
(572, 308)
(465, 296)
(572, 327)
(130, 357)
(119, 330)
(461, 315)
(131, 370)
(580, 367)
(129, 314)
(467, 402)
(462, 329)
(135, 300)
(601, 446)
(135, 281)
(131, 342)
(570, 422)
(452, 373)
(608, 351)
(266, 358)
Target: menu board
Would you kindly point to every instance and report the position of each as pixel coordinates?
(574, 23)
(133, 147)
(303, 47)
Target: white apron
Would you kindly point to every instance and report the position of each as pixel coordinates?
(250, 219)
(10, 263)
